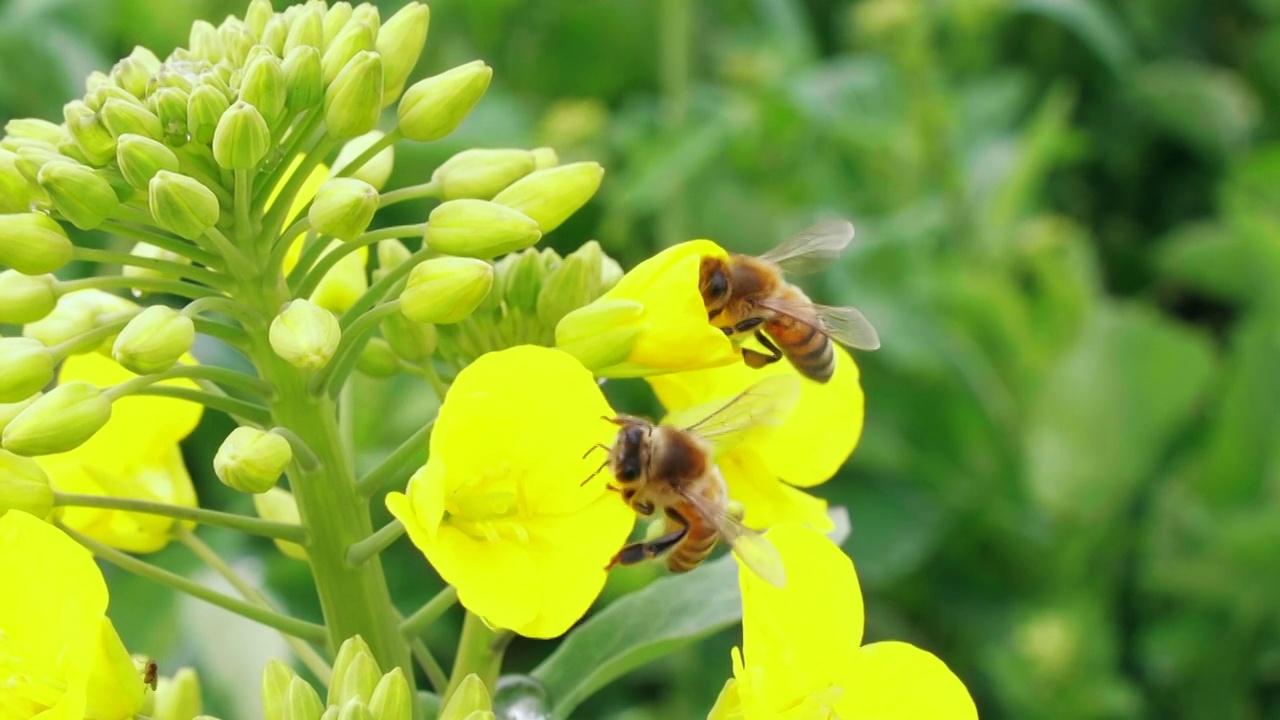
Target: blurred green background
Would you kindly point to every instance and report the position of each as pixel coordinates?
(1069, 239)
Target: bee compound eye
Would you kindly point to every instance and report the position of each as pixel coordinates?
(717, 284)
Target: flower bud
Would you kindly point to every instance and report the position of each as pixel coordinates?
(520, 277)
(343, 208)
(355, 672)
(204, 41)
(265, 87)
(353, 39)
(367, 13)
(305, 335)
(377, 170)
(90, 135)
(17, 193)
(61, 420)
(25, 298)
(353, 102)
(182, 205)
(307, 29)
(302, 702)
(242, 138)
(35, 129)
(391, 699)
(237, 41)
(304, 86)
(377, 359)
(251, 461)
(391, 252)
(435, 106)
(278, 505)
(169, 77)
(470, 696)
(601, 334)
(204, 109)
(122, 117)
(550, 196)
(154, 340)
(28, 368)
(410, 340)
(131, 74)
(572, 285)
(97, 100)
(544, 157)
(170, 106)
(481, 174)
(31, 160)
(479, 228)
(140, 158)
(257, 15)
(81, 196)
(446, 289)
(273, 36)
(400, 42)
(276, 678)
(178, 697)
(335, 20)
(24, 486)
(77, 313)
(9, 411)
(33, 243)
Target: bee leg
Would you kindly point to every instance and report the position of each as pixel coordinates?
(640, 551)
(757, 360)
(748, 325)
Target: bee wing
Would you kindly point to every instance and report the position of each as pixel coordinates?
(813, 248)
(751, 546)
(846, 325)
(764, 404)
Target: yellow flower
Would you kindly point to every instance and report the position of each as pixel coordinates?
(135, 455)
(653, 321)
(60, 656)
(809, 446)
(802, 656)
(499, 510)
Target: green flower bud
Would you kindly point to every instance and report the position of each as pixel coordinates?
(302, 701)
(446, 289)
(140, 158)
(305, 88)
(17, 193)
(131, 74)
(545, 157)
(335, 20)
(355, 710)
(572, 285)
(353, 39)
(305, 335)
(601, 334)
(219, 80)
(9, 411)
(278, 505)
(520, 276)
(77, 313)
(178, 697)
(276, 678)
(550, 196)
(33, 243)
(481, 174)
(264, 86)
(331, 713)
(273, 36)
(122, 117)
(400, 42)
(97, 79)
(435, 106)
(257, 15)
(99, 98)
(61, 420)
(204, 41)
(353, 102)
(307, 29)
(24, 486)
(367, 13)
(377, 359)
(154, 340)
(479, 228)
(378, 169)
(470, 696)
(410, 340)
(90, 134)
(237, 41)
(205, 108)
(35, 129)
(355, 672)
(251, 461)
(81, 196)
(391, 698)
(25, 298)
(169, 78)
(391, 253)
(170, 106)
(343, 208)
(28, 368)
(182, 205)
(242, 139)
(31, 160)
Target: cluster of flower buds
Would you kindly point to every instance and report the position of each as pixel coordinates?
(358, 689)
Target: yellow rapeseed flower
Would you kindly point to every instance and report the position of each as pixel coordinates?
(802, 656)
(499, 510)
(135, 455)
(810, 445)
(653, 321)
(60, 656)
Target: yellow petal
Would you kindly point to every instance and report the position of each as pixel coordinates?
(114, 685)
(308, 191)
(898, 681)
(136, 420)
(768, 502)
(817, 437)
(675, 335)
(799, 638)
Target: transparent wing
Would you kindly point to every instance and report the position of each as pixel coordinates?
(752, 548)
(813, 248)
(764, 404)
(845, 325)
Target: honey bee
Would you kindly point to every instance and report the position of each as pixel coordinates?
(670, 469)
(746, 293)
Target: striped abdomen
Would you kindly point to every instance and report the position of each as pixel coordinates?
(801, 340)
(696, 544)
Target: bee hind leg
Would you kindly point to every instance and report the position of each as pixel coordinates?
(757, 360)
(640, 551)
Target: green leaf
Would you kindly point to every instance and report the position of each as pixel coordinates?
(1211, 109)
(1092, 22)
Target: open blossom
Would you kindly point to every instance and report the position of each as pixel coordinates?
(499, 509)
(135, 455)
(802, 656)
(60, 656)
(806, 449)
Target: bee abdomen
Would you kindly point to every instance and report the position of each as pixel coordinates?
(690, 553)
(809, 351)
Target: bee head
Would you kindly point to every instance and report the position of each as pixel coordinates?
(713, 283)
(629, 453)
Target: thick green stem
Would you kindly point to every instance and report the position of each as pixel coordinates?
(251, 525)
(480, 651)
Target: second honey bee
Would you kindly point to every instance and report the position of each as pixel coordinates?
(746, 294)
(671, 470)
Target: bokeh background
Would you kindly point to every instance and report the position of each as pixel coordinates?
(1068, 216)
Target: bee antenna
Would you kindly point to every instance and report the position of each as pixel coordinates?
(593, 448)
(597, 472)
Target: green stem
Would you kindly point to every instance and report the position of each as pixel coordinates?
(435, 674)
(374, 294)
(302, 629)
(162, 241)
(108, 282)
(229, 334)
(412, 192)
(180, 270)
(193, 168)
(302, 453)
(480, 651)
(426, 616)
(201, 549)
(278, 215)
(333, 257)
(301, 135)
(91, 339)
(236, 261)
(361, 551)
(225, 305)
(313, 247)
(281, 246)
(371, 152)
(214, 518)
(354, 339)
(222, 375)
(243, 201)
(250, 412)
(396, 463)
